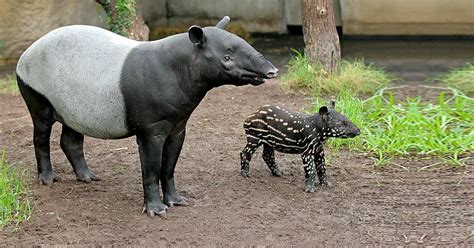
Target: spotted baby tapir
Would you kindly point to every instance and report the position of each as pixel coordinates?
(287, 131)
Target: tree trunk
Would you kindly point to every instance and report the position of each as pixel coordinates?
(320, 34)
(124, 19)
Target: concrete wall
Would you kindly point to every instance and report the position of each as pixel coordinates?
(408, 17)
(293, 12)
(253, 15)
(24, 21)
(357, 17)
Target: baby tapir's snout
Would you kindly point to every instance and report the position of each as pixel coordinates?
(354, 131)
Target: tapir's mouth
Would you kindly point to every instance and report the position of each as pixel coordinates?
(349, 135)
(255, 79)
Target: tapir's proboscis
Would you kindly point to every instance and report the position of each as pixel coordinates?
(103, 85)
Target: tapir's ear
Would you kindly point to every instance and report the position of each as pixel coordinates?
(332, 104)
(323, 111)
(196, 35)
(223, 23)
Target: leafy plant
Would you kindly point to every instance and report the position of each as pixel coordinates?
(120, 16)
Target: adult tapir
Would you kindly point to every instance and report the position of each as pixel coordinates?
(100, 84)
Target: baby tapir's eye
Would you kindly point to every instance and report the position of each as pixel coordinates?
(226, 58)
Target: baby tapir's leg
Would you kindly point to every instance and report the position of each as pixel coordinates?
(246, 155)
(269, 158)
(320, 168)
(309, 171)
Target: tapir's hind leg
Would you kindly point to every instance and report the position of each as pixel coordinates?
(72, 145)
(268, 156)
(42, 114)
(246, 155)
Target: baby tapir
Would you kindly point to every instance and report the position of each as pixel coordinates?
(293, 132)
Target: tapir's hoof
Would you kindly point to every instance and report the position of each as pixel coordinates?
(276, 173)
(176, 201)
(245, 173)
(325, 185)
(48, 178)
(87, 177)
(153, 211)
(310, 189)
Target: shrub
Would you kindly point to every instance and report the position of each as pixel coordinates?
(352, 76)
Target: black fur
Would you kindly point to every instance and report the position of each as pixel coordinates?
(44, 116)
(162, 82)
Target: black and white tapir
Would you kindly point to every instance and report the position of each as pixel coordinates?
(293, 132)
(99, 84)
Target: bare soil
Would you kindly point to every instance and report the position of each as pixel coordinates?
(364, 206)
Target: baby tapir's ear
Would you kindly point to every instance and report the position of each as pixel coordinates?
(332, 104)
(323, 112)
(223, 23)
(196, 35)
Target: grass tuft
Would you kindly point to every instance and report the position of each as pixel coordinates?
(8, 84)
(352, 76)
(14, 203)
(462, 79)
(409, 128)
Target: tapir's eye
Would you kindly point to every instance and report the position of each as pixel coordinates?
(226, 58)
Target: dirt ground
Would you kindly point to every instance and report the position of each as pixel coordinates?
(364, 206)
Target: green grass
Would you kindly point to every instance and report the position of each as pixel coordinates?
(412, 127)
(461, 78)
(8, 84)
(392, 127)
(352, 76)
(14, 203)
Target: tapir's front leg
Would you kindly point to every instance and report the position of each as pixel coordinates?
(151, 150)
(320, 167)
(171, 152)
(309, 171)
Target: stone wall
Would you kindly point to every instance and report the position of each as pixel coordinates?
(24, 21)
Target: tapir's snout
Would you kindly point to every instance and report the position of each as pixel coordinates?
(272, 73)
(262, 70)
(357, 132)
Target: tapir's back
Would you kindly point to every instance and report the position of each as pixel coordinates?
(77, 68)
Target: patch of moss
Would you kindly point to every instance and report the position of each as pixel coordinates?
(120, 17)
